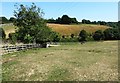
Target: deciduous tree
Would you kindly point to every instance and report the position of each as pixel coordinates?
(31, 25)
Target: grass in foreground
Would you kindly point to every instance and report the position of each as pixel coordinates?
(92, 61)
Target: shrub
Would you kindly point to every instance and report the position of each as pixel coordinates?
(72, 35)
(83, 35)
(56, 38)
(28, 39)
(63, 36)
(67, 39)
(98, 35)
(90, 38)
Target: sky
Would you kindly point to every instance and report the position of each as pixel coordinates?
(94, 11)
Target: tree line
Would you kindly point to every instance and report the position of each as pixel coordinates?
(4, 20)
(99, 35)
(49, 36)
(65, 19)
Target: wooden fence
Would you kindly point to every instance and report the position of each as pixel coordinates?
(14, 48)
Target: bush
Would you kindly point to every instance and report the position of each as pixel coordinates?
(4, 20)
(64, 39)
(89, 38)
(28, 39)
(98, 35)
(63, 36)
(108, 33)
(56, 38)
(83, 35)
(72, 35)
(75, 39)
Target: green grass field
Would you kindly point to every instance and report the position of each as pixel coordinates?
(92, 61)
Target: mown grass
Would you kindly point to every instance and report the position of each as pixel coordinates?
(92, 61)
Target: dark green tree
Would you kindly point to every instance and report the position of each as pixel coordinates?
(4, 20)
(86, 21)
(58, 20)
(51, 20)
(94, 22)
(83, 35)
(98, 35)
(74, 20)
(31, 25)
(116, 33)
(112, 34)
(56, 37)
(102, 23)
(109, 34)
(12, 19)
(65, 19)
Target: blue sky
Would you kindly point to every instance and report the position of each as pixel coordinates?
(94, 11)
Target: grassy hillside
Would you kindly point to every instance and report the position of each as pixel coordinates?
(63, 29)
(75, 29)
(9, 28)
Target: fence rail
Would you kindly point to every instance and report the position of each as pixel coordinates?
(14, 48)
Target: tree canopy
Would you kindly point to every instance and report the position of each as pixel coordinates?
(4, 20)
(112, 34)
(83, 35)
(98, 35)
(32, 26)
(65, 19)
